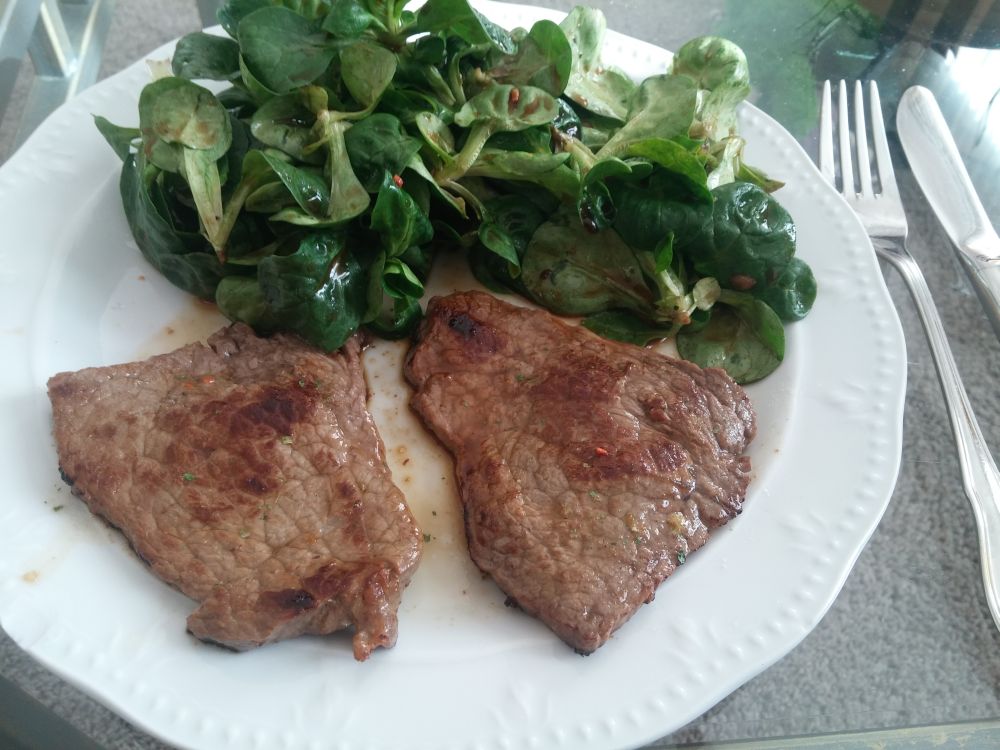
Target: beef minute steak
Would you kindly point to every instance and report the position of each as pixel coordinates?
(249, 474)
(588, 469)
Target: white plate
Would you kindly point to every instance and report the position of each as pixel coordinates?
(467, 672)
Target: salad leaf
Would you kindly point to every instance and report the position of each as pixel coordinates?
(349, 19)
(571, 271)
(367, 69)
(201, 55)
(378, 144)
(625, 326)
(662, 107)
(544, 59)
(744, 336)
(593, 85)
(319, 290)
(283, 49)
(285, 123)
(791, 293)
(753, 237)
(459, 18)
(398, 220)
(120, 139)
(507, 228)
(357, 139)
(181, 256)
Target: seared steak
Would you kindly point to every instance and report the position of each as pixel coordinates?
(588, 469)
(249, 474)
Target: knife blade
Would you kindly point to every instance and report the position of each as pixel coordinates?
(939, 170)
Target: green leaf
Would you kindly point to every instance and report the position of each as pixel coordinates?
(679, 161)
(792, 293)
(515, 165)
(429, 50)
(398, 219)
(367, 69)
(460, 18)
(719, 70)
(543, 59)
(507, 107)
(390, 317)
(662, 107)
(744, 337)
(753, 237)
(422, 77)
(625, 326)
(406, 104)
(376, 145)
(746, 173)
(270, 198)
(205, 56)
(714, 64)
(234, 11)
(240, 298)
(437, 134)
(508, 226)
(202, 174)
(255, 88)
(349, 19)
(417, 166)
(184, 258)
(646, 215)
(663, 254)
(177, 112)
(237, 99)
(318, 291)
(593, 85)
(285, 123)
(348, 197)
(399, 281)
(120, 139)
(308, 188)
(282, 49)
(571, 271)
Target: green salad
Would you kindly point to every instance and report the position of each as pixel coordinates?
(353, 140)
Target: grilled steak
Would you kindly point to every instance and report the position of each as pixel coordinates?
(249, 474)
(588, 469)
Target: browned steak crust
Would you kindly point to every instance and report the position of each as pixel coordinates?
(588, 469)
(249, 474)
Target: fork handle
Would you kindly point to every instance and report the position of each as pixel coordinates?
(979, 471)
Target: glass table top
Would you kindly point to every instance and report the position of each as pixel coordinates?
(908, 654)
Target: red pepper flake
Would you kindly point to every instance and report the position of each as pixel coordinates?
(514, 98)
(207, 379)
(397, 180)
(601, 451)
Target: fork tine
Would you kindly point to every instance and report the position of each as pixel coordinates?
(826, 166)
(861, 142)
(844, 126)
(882, 158)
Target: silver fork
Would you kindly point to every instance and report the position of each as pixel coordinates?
(884, 219)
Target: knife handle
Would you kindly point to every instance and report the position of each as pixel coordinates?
(985, 279)
(936, 163)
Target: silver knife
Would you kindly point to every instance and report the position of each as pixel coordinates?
(941, 174)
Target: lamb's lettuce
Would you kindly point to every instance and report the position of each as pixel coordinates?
(358, 137)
